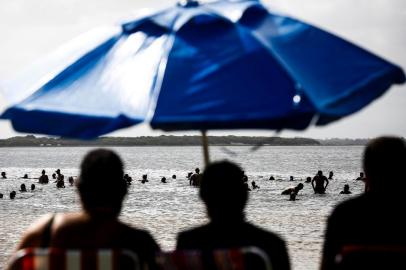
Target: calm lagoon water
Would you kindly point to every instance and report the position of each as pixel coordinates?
(165, 209)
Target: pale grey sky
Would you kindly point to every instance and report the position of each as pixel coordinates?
(30, 29)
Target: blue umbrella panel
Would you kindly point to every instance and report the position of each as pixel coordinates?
(217, 65)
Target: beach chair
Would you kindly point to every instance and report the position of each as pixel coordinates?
(67, 259)
(222, 259)
(371, 257)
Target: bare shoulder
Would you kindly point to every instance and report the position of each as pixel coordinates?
(32, 236)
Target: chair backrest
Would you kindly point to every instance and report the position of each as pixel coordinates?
(371, 257)
(67, 259)
(220, 259)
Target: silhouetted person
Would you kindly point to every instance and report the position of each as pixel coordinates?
(195, 178)
(271, 178)
(54, 176)
(321, 183)
(174, 176)
(291, 190)
(101, 188)
(60, 183)
(330, 175)
(254, 185)
(13, 195)
(291, 178)
(361, 176)
(375, 217)
(43, 179)
(247, 187)
(32, 187)
(3, 175)
(308, 179)
(71, 180)
(144, 178)
(225, 196)
(163, 179)
(346, 189)
(23, 188)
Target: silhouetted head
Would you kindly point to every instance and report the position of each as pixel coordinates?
(346, 187)
(223, 191)
(197, 170)
(32, 186)
(299, 187)
(1, 195)
(320, 173)
(144, 176)
(384, 161)
(25, 176)
(58, 171)
(101, 183)
(43, 172)
(53, 176)
(361, 174)
(308, 179)
(22, 187)
(174, 176)
(291, 178)
(13, 194)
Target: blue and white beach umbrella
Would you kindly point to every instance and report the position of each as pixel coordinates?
(217, 65)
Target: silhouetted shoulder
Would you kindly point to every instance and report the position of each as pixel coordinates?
(33, 235)
(244, 234)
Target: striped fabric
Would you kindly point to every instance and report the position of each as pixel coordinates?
(221, 259)
(52, 259)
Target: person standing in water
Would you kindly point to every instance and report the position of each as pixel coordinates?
(321, 183)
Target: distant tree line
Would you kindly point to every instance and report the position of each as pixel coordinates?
(164, 140)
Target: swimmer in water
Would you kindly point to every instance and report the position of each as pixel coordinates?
(23, 188)
(291, 190)
(330, 175)
(346, 189)
(321, 183)
(271, 178)
(174, 176)
(1, 195)
(60, 182)
(163, 179)
(361, 176)
(32, 187)
(71, 181)
(254, 185)
(3, 175)
(43, 179)
(144, 179)
(291, 178)
(13, 195)
(308, 179)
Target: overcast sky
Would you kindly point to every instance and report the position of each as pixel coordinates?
(31, 28)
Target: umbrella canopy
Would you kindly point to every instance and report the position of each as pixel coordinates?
(217, 65)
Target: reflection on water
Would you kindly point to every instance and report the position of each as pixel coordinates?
(165, 209)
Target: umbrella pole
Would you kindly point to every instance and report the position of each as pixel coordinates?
(205, 148)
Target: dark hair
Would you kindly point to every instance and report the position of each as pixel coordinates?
(384, 161)
(223, 191)
(101, 182)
